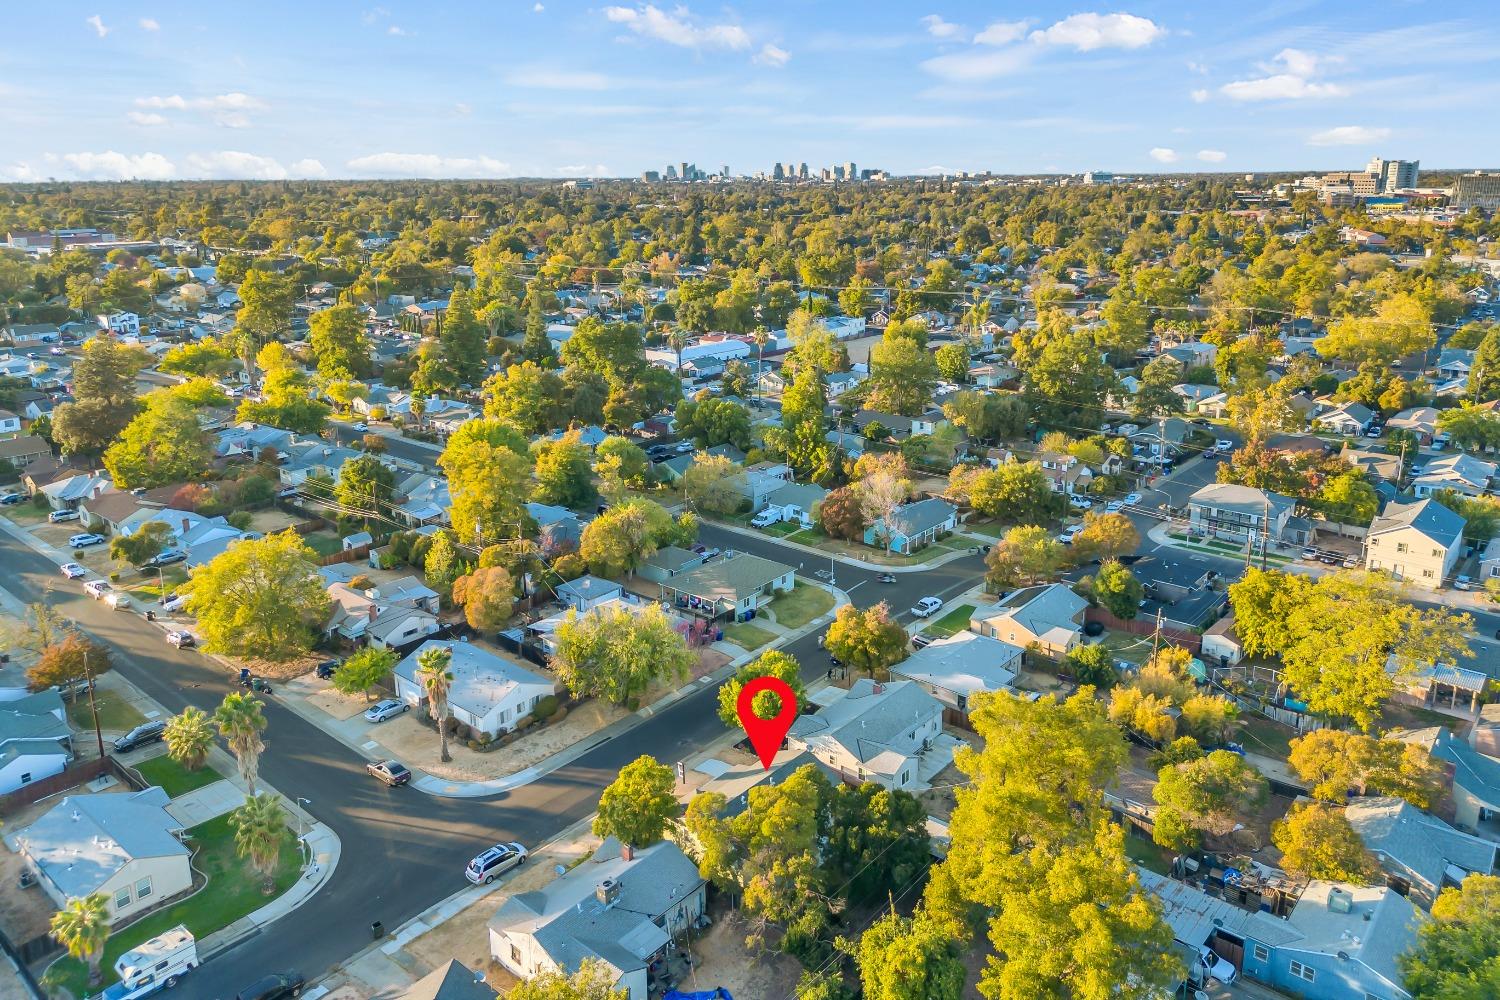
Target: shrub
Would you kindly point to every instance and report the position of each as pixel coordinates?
(114, 576)
(570, 566)
(39, 501)
(361, 582)
(560, 714)
(546, 708)
(240, 519)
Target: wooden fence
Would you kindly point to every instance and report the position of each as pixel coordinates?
(75, 775)
(1177, 633)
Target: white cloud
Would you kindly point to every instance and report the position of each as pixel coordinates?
(979, 64)
(1289, 77)
(235, 165)
(113, 166)
(97, 23)
(1163, 155)
(462, 109)
(149, 24)
(396, 30)
(146, 119)
(675, 28)
(1348, 135)
(582, 170)
(772, 55)
(1002, 33)
(307, 168)
(545, 78)
(1199, 96)
(427, 165)
(1212, 155)
(1087, 32)
(230, 110)
(537, 8)
(946, 30)
(1197, 67)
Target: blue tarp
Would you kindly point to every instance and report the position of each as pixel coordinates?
(718, 994)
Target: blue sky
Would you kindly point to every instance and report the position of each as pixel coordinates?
(495, 88)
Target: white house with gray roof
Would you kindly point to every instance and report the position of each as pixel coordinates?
(1420, 853)
(914, 526)
(622, 907)
(489, 693)
(35, 741)
(955, 669)
(1461, 473)
(1047, 618)
(1228, 510)
(873, 732)
(732, 586)
(123, 844)
(1420, 542)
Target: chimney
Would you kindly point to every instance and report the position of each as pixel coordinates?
(187, 525)
(627, 852)
(374, 611)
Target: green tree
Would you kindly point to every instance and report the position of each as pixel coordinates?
(1117, 590)
(1334, 763)
(435, 675)
(286, 396)
(593, 981)
(487, 596)
(1105, 537)
(1210, 795)
(1154, 397)
(363, 669)
(259, 599)
(1093, 665)
(189, 737)
(1457, 952)
(141, 545)
(528, 396)
(713, 422)
(1068, 382)
(442, 565)
(203, 358)
(1024, 555)
(621, 459)
(536, 346)
(1013, 492)
(366, 486)
(164, 444)
(1402, 325)
(1348, 499)
(867, 639)
(82, 927)
(953, 362)
(1317, 842)
(489, 472)
(714, 483)
(615, 654)
(463, 337)
(902, 376)
(639, 804)
(908, 958)
(265, 313)
(563, 474)
(625, 536)
(338, 342)
(772, 663)
(803, 434)
(240, 722)
(259, 833)
(104, 396)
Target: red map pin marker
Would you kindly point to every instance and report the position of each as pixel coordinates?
(766, 734)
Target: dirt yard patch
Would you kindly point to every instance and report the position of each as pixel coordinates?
(416, 744)
(721, 959)
(271, 520)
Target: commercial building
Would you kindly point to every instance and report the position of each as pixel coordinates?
(1477, 190)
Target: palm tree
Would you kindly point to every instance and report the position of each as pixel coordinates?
(240, 723)
(678, 338)
(761, 336)
(189, 737)
(433, 672)
(259, 831)
(82, 927)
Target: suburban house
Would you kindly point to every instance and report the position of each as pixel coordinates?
(1221, 644)
(736, 781)
(1066, 473)
(451, 981)
(795, 502)
(35, 741)
(872, 732)
(1418, 541)
(1420, 420)
(1476, 772)
(1227, 510)
(423, 499)
(488, 694)
(1421, 854)
(1489, 561)
(313, 458)
(1047, 618)
(665, 563)
(360, 617)
(955, 669)
(1458, 472)
(1338, 942)
(733, 587)
(622, 907)
(1193, 355)
(914, 526)
(1375, 464)
(588, 592)
(1351, 419)
(123, 844)
(558, 528)
(19, 452)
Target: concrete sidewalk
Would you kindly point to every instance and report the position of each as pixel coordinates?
(203, 804)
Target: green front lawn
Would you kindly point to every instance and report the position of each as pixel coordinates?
(952, 623)
(233, 891)
(115, 713)
(26, 513)
(746, 636)
(174, 779)
(782, 528)
(323, 543)
(800, 605)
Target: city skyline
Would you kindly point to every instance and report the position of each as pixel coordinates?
(555, 90)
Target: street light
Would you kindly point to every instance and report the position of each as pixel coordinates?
(301, 833)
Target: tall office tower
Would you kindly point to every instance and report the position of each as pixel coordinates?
(850, 174)
(1394, 174)
(802, 170)
(671, 172)
(776, 172)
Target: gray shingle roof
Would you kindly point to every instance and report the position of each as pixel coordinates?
(924, 515)
(80, 843)
(1037, 609)
(453, 981)
(730, 579)
(965, 663)
(1427, 516)
(871, 719)
(34, 717)
(1423, 845)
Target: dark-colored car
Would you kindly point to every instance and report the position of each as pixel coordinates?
(142, 735)
(326, 669)
(277, 986)
(391, 772)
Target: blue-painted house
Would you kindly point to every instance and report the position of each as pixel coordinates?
(1340, 942)
(914, 526)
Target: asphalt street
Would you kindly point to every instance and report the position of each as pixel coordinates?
(403, 850)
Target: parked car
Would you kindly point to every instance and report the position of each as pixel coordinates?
(1131, 499)
(181, 639)
(326, 668)
(391, 772)
(1080, 503)
(926, 607)
(117, 600)
(495, 862)
(73, 571)
(709, 553)
(686, 448)
(1351, 561)
(1462, 582)
(59, 516)
(388, 708)
(1067, 535)
(84, 539)
(277, 986)
(766, 518)
(166, 557)
(142, 735)
(1211, 966)
(11, 499)
(1115, 506)
(174, 602)
(97, 588)
(1309, 553)
(1224, 444)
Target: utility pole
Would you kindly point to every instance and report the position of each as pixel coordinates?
(93, 708)
(1156, 637)
(1265, 532)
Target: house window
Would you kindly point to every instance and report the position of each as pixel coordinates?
(1303, 972)
(122, 898)
(515, 954)
(1400, 546)
(143, 888)
(1437, 553)
(1428, 573)
(25, 777)
(1261, 953)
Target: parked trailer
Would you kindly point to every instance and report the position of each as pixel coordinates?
(158, 964)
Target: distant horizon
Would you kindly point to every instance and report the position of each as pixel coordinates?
(470, 90)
